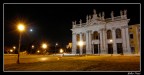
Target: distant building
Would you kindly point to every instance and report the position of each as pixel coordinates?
(102, 36)
(134, 32)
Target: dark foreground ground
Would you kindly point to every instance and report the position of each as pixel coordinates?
(72, 63)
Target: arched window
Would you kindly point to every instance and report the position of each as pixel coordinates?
(78, 37)
(95, 35)
(109, 34)
(118, 33)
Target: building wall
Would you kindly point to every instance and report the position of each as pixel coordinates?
(135, 41)
(101, 25)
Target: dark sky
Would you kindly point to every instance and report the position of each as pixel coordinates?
(52, 22)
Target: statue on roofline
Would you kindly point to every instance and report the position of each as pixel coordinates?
(72, 22)
(80, 21)
(112, 14)
(94, 11)
(121, 12)
(125, 12)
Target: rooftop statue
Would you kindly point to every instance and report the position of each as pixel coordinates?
(94, 11)
(125, 12)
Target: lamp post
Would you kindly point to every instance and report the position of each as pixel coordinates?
(55, 47)
(14, 48)
(32, 49)
(61, 51)
(44, 46)
(80, 43)
(21, 29)
(11, 51)
(38, 51)
(111, 42)
(32, 46)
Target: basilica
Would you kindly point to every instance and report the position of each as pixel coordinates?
(100, 35)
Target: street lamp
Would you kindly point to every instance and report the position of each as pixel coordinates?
(44, 46)
(80, 43)
(38, 51)
(31, 30)
(32, 46)
(61, 51)
(14, 47)
(21, 29)
(111, 42)
(11, 50)
(32, 49)
(55, 47)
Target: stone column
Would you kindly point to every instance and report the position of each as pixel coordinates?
(81, 47)
(98, 49)
(124, 39)
(90, 42)
(87, 43)
(101, 41)
(114, 42)
(128, 50)
(104, 51)
(74, 44)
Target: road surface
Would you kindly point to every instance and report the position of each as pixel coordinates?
(12, 58)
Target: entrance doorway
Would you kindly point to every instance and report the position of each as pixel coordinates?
(78, 50)
(84, 49)
(95, 48)
(119, 48)
(110, 49)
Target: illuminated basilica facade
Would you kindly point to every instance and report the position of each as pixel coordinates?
(100, 35)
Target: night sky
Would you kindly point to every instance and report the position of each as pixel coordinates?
(51, 23)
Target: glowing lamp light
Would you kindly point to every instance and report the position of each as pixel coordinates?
(80, 43)
(38, 51)
(14, 47)
(61, 50)
(56, 44)
(31, 30)
(11, 50)
(21, 27)
(44, 46)
(111, 40)
(32, 46)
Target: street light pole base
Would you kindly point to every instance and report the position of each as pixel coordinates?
(18, 62)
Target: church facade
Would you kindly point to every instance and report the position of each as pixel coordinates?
(100, 35)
